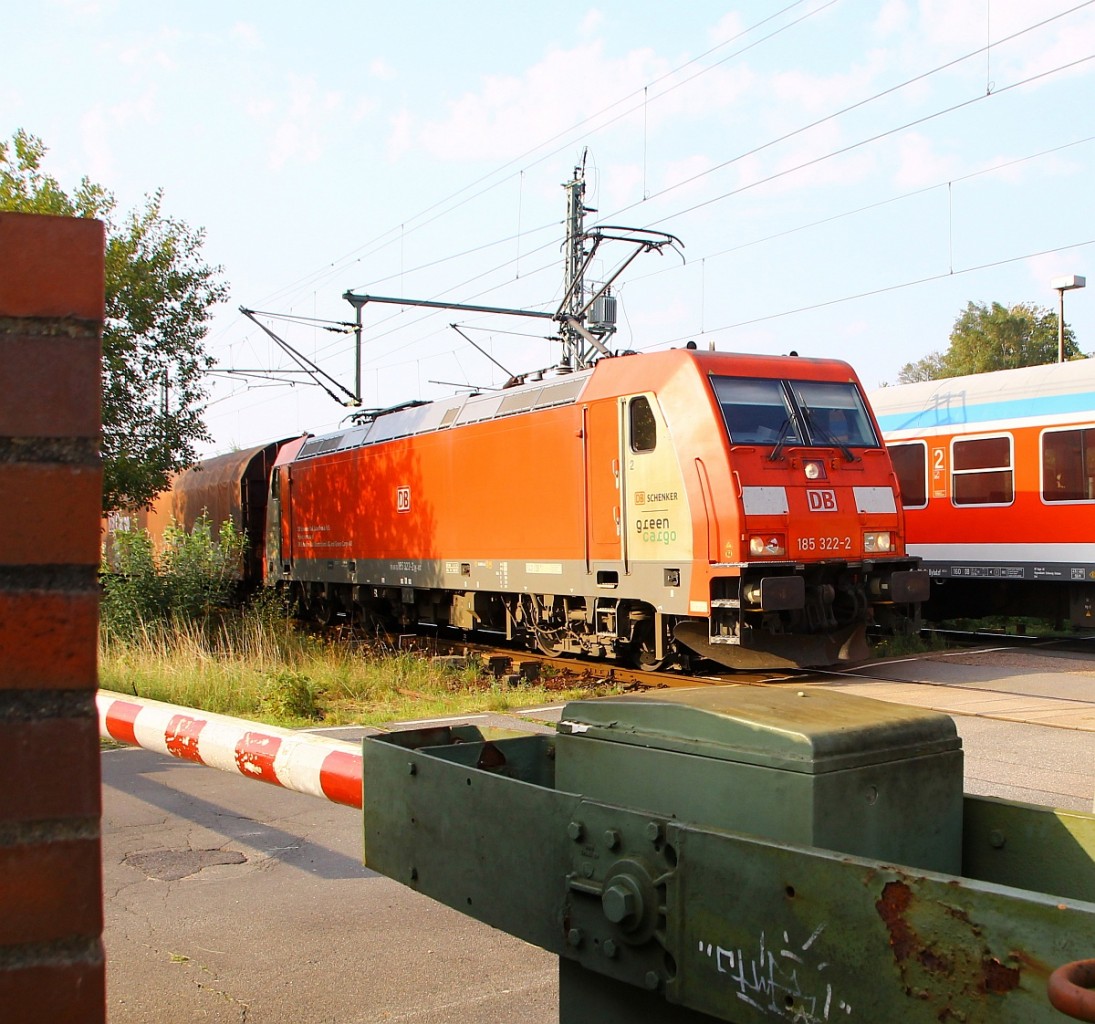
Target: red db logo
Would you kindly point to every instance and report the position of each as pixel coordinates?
(821, 501)
(403, 499)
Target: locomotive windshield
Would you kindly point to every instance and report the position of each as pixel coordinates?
(775, 412)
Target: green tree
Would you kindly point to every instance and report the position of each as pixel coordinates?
(183, 584)
(159, 299)
(928, 368)
(994, 337)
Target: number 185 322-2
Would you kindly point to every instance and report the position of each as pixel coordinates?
(825, 543)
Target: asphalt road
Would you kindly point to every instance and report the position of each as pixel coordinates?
(232, 901)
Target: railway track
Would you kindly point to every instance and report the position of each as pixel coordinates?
(506, 662)
(1077, 644)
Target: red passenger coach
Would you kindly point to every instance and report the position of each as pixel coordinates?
(741, 507)
(997, 474)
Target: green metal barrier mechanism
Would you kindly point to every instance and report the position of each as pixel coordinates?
(744, 855)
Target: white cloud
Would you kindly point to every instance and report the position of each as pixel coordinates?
(620, 184)
(93, 134)
(401, 139)
(509, 115)
(1043, 269)
(825, 93)
(88, 8)
(804, 163)
(920, 164)
(893, 19)
(382, 70)
(309, 118)
(99, 123)
(259, 107)
(153, 51)
(247, 35)
(679, 175)
(592, 21)
(632, 94)
(728, 27)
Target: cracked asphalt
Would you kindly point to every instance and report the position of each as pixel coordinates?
(242, 903)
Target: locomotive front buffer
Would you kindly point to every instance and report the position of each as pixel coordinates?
(744, 854)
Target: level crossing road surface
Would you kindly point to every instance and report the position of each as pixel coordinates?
(234, 902)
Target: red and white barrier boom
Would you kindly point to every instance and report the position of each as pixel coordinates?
(305, 762)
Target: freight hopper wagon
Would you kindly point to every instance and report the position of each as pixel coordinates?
(741, 507)
(997, 474)
(232, 487)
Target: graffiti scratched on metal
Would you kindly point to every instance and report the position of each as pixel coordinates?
(709, 924)
(809, 936)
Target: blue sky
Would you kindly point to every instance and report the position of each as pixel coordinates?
(845, 175)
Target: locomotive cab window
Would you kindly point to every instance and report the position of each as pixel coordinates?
(910, 463)
(644, 428)
(756, 411)
(982, 471)
(1068, 465)
(834, 414)
(778, 413)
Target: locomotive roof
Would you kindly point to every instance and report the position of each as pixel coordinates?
(1029, 393)
(410, 419)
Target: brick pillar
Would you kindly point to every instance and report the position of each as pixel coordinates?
(51, 908)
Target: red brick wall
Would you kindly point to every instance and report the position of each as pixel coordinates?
(51, 910)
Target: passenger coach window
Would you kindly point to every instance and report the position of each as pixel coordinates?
(755, 411)
(1068, 465)
(644, 430)
(910, 463)
(982, 472)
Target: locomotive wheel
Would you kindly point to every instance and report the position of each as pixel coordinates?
(642, 651)
(324, 610)
(545, 644)
(643, 657)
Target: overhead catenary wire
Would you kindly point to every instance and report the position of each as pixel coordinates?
(881, 135)
(674, 215)
(397, 232)
(871, 292)
(725, 195)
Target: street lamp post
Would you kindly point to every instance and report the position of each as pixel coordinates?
(1062, 285)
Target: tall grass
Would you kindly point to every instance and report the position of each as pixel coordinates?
(169, 632)
(256, 666)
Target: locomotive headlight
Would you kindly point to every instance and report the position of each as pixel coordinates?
(768, 545)
(878, 543)
(814, 469)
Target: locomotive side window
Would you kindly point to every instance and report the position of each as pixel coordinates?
(834, 414)
(910, 463)
(1068, 465)
(644, 429)
(982, 472)
(755, 411)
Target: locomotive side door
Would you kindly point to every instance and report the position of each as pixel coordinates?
(604, 528)
(286, 516)
(657, 523)
(273, 528)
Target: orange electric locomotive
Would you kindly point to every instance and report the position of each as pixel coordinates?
(740, 507)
